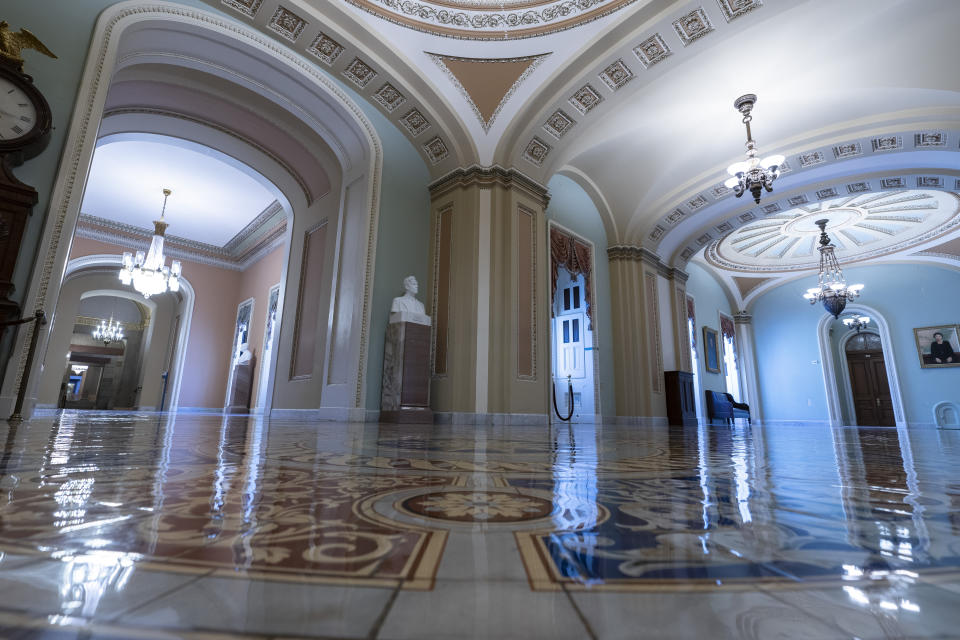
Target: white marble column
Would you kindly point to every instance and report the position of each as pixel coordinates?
(748, 363)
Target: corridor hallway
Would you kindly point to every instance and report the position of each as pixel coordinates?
(159, 525)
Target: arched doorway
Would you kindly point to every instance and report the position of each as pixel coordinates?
(329, 174)
(833, 337)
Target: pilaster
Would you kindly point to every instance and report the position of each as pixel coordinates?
(489, 293)
(743, 322)
(638, 350)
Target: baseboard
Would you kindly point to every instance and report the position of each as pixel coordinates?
(202, 410)
(793, 423)
(325, 414)
(490, 419)
(638, 421)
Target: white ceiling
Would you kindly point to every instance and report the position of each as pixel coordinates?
(214, 197)
(827, 73)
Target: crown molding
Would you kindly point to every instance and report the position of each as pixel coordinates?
(250, 244)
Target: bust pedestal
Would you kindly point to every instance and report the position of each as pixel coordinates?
(405, 395)
(242, 390)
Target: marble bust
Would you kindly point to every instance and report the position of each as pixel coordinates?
(245, 354)
(408, 301)
(407, 308)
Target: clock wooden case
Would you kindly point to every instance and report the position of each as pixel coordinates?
(25, 123)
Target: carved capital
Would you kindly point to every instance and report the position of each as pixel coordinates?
(742, 317)
(487, 178)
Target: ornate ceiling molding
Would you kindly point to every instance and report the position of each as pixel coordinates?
(818, 158)
(484, 20)
(334, 52)
(664, 42)
(257, 239)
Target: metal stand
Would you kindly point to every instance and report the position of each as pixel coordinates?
(569, 401)
(40, 319)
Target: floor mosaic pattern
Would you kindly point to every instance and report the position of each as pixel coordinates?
(148, 525)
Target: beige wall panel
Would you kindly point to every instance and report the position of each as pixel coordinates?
(441, 289)
(652, 323)
(526, 294)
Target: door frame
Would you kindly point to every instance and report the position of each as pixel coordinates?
(845, 372)
(597, 415)
(830, 368)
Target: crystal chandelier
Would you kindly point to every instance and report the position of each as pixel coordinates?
(108, 332)
(856, 321)
(752, 175)
(147, 272)
(833, 291)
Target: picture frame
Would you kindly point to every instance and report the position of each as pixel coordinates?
(926, 338)
(711, 350)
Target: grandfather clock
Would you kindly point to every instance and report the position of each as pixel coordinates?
(25, 123)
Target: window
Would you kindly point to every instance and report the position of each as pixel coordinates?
(571, 298)
(571, 331)
(730, 367)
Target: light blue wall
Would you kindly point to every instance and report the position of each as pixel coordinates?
(790, 375)
(403, 235)
(710, 299)
(571, 207)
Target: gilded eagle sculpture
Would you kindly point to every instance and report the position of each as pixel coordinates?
(11, 44)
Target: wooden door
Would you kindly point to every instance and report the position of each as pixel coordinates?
(871, 391)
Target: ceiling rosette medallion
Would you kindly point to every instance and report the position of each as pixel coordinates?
(490, 19)
(862, 225)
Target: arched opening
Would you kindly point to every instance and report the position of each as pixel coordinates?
(151, 360)
(190, 76)
(852, 379)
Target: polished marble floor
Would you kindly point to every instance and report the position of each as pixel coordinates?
(159, 526)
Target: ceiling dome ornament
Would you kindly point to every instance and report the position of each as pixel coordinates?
(832, 291)
(753, 175)
(490, 19)
(862, 226)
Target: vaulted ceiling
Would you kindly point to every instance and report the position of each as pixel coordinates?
(634, 99)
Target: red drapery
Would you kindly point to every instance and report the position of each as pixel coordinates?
(727, 328)
(574, 255)
(692, 317)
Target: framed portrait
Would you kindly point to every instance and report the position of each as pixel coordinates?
(938, 346)
(711, 350)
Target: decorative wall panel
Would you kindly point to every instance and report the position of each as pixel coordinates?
(526, 294)
(308, 303)
(441, 290)
(653, 332)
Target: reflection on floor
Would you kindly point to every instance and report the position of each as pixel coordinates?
(201, 526)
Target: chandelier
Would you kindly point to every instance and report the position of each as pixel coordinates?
(752, 175)
(833, 291)
(147, 271)
(108, 332)
(856, 321)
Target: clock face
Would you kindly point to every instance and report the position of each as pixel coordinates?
(18, 115)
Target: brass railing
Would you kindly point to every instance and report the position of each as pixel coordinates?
(40, 318)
